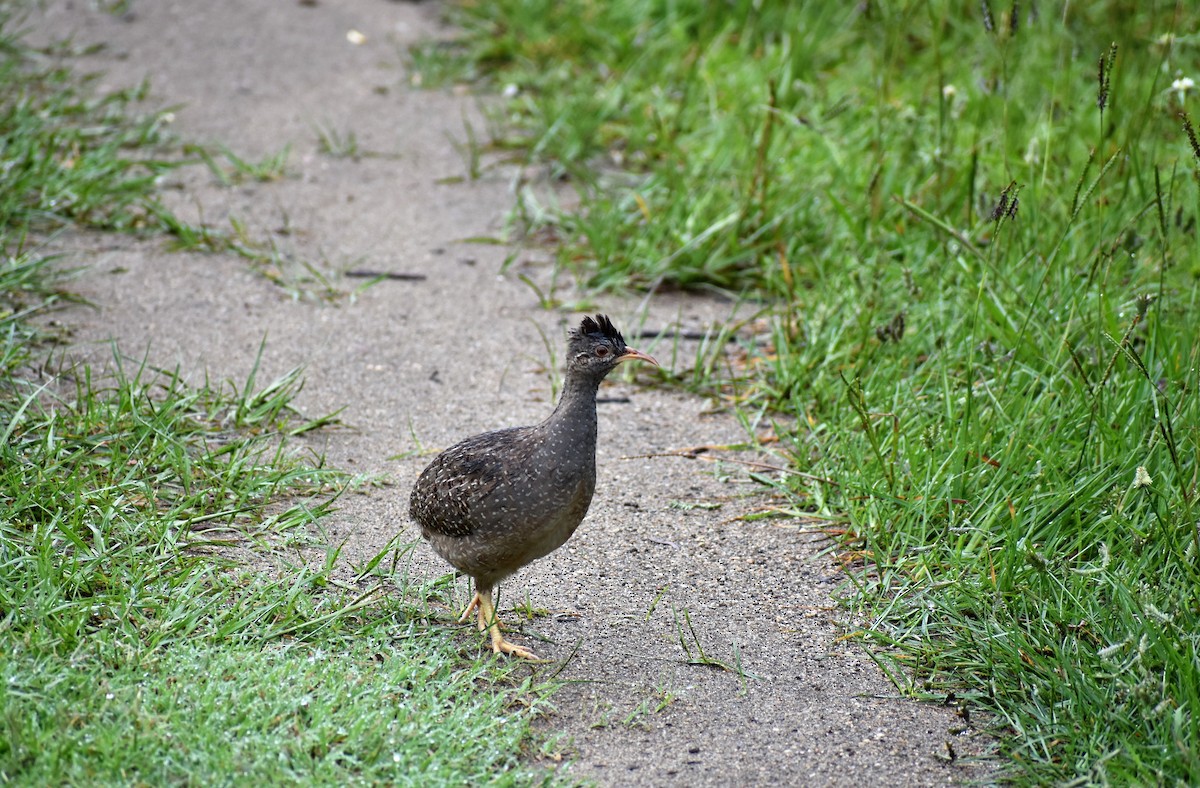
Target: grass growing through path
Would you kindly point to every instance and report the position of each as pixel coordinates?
(134, 648)
(74, 157)
(973, 228)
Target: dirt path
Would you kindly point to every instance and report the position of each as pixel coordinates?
(460, 352)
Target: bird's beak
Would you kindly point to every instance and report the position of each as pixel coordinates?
(636, 355)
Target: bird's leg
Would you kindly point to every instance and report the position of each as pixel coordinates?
(466, 614)
(473, 606)
(488, 622)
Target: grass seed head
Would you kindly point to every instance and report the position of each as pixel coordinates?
(1006, 205)
(893, 330)
(1001, 207)
(1190, 130)
(1105, 76)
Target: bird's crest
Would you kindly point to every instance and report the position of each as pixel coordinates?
(603, 326)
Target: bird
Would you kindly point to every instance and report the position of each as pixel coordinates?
(493, 503)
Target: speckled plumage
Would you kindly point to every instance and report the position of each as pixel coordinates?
(494, 502)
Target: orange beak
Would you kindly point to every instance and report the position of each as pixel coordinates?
(636, 355)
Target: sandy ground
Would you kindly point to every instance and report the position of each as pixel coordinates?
(419, 364)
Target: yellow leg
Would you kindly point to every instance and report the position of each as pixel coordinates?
(488, 622)
(466, 614)
(472, 607)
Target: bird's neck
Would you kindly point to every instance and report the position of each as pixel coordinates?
(577, 406)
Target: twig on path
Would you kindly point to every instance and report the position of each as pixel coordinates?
(686, 334)
(700, 453)
(365, 273)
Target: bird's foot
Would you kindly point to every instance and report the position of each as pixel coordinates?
(489, 622)
(502, 646)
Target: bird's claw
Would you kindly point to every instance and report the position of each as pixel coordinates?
(502, 646)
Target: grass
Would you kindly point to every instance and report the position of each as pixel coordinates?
(138, 649)
(72, 157)
(65, 153)
(162, 617)
(341, 711)
(972, 233)
(337, 144)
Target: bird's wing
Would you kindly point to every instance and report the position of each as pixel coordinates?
(458, 489)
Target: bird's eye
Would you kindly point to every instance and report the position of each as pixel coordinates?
(601, 351)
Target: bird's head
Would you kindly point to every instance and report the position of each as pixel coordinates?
(596, 347)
